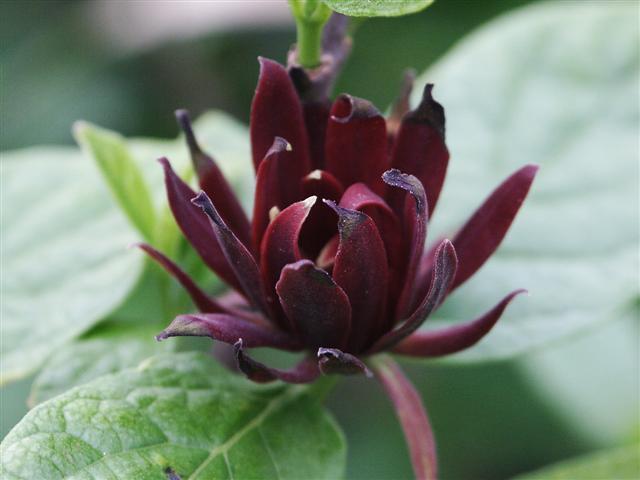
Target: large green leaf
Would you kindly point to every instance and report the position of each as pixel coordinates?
(64, 259)
(618, 464)
(65, 265)
(554, 84)
(377, 8)
(179, 413)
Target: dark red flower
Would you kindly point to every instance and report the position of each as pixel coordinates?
(333, 261)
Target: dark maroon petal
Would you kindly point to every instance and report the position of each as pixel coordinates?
(356, 145)
(214, 184)
(419, 148)
(304, 372)
(322, 184)
(318, 308)
(445, 271)
(361, 270)
(240, 259)
(402, 104)
(412, 415)
(280, 246)
(316, 117)
(195, 226)
(276, 112)
(453, 339)
(482, 234)
(201, 300)
(415, 223)
(228, 329)
(333, 361)
(273, 188)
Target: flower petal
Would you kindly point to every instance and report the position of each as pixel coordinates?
(228, 329)
(453, 339)
(356, 147)
(280, 246)
(318, 308)
(240, 259)
(273, 189)
(419, 148)
(445, 271)
(412, 415)
(304, 372)
(361, 270)
(195, 226)
(201, 300)
(482, 234)
(212, 181)
(333, 361)
(415, 231)
(276, 112)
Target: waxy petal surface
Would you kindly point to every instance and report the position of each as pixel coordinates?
(195, 226)
(304, 372)
(318, 308)
(443, 275)
(213, 182)
(419, 147)
(276, 112)
(356, 146)
(228, 329)
(333, 361)
(201, 300)
(240, 259)
(482, 234)
(361, 270)
(453, 339)
(415, 230)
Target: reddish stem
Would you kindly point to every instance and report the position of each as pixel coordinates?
(412, 415)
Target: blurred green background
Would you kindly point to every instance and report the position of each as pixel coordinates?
(59, 64)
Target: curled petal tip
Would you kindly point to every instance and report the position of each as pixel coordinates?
(164, 161)
(201, 200)
(332, 361)
(163, 335)
(349, 108)
(279, 145)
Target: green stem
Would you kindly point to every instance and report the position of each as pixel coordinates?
(310, 17)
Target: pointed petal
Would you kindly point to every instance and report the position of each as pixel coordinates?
(361, 270)
(333, 361)
(213, 182)
(318, 308)
(228, 329)
(243, 264)
(273, 189)
(356, 146)
(276, 112)
(415, 231)
(453, 339)
(195, 226)
(280, 246)
(412, 415)
(482, 234)
(419, 148)
(201, 300)
(304, 372)
(445, 271)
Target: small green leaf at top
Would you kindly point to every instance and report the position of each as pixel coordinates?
(377, 8)
(121, 173)
(622, 463)
(178, 413)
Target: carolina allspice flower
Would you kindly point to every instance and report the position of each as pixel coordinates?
(333, 262)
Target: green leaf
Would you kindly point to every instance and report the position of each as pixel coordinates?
(618, 464)
(65, 266)
(521, 90)
(112, 348)
(377, 8)
(64, 259)
(182, 413)
(121, 173)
